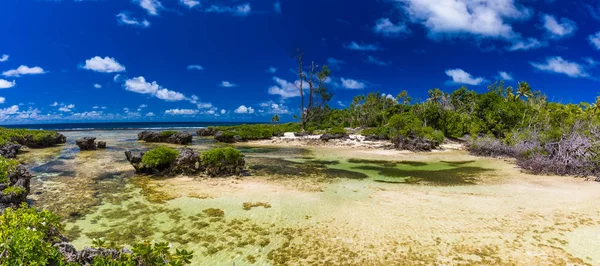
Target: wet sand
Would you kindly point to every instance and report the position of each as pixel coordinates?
(328, 205)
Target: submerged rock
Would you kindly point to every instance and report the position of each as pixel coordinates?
(86, 256)
(188, 162)
(166, 136)
(9, 150)
(16, 188)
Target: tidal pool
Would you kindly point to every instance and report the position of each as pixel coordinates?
(323, 206)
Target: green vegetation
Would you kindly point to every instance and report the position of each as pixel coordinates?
(6, 166)
(17, 190)
(257, 131)
(27, 237)
(336, 130)
(8, 135)
(168, 133)
(220, 156)
(161, 156)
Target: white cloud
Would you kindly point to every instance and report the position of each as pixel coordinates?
(556, 29)
(375, 61)
(8, 111)
(335, 63)
(271, 70)
(2, 100)
(54, 104)
(104, 65)
(505, 76)
(387, 28)
(362, 47)
(285, 89)
(204, 105)
(190, 3)
(558, 65)
(352, 84)
(97, 86)
(142, 106)
(223, 111)
(196, 67)
(4, 58)
(270, 107)
(117, 78)
(460, 76)
(149, 114)
(526, 44)
(66, 108)
(594, 40)
(181, 112)
(124, 19)
(227, 84)
(244, 110)
(94, 107)
(151, 6)
(239, 10)
(24, 70)
(5, 84)
(139, 85)
(277, 7)
(340, 103)
(485, 19)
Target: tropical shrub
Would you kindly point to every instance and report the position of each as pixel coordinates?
(168, 133)
(161, 156)
(219, 156)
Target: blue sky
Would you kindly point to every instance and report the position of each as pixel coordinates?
(231, 60)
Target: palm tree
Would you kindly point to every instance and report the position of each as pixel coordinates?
(523, 90)
(510, 96)
(595, 108)
(435, 95)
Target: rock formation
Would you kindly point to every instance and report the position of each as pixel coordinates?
(15, 189)
(89, 143)
(166, 137)
(328, 136)
(9, 150)
(206, 132)
(47, 141)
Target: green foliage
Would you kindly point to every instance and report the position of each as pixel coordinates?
(379, 131)
(6, 166)
(405, 124)
(146, 253)
(17, 190)
(258, 131)
(27, 236)
(10, 135)
(160, 156)
(336, 130)
(168, 133)
(219, 156)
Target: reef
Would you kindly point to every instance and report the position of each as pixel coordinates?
(168, 136)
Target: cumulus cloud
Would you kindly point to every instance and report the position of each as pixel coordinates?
(361, 47)
(386, 28)
(3, 58)
(5, 84)
(227, 84)
(190, 3)
(505, 76)
(181, 112)
(54, 104)
(481, 19)
(24, 70)
(557, 64)
(149, 114)
(244, 110)
(270, 107)
(558, 29)
(66, 108)
(271, 70)
(4, 113)
(284, 88)
(526, 44)
(594, 40)
(151, 6)
(461, 77)
(104, 65)
(125, 19)
(223, 111)
(376, 61)
(239, 10)
(2, 100)
(97, 86)
(352, 84)
(139, 85)
(195, 67)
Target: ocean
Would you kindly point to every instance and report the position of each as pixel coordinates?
(124, 125)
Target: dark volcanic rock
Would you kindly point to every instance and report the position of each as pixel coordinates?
(226, 138)
(101, 145)
(19, 177)
(86, 143)
(188, 162)
(414, 144)
(30, 142)
(176, 138)
(327, 136)
(206, 132)
(86, 256)
(9, 150)
(376, 137)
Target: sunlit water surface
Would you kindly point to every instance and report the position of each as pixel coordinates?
(323, 206)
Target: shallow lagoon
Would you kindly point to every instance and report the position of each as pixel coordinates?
(337, 206)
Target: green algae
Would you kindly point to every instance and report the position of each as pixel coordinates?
(281, 168)
(445, 177)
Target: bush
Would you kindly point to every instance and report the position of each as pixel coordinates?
(161, 156)
(218, 156)
(6, 166)
(336, 130)
(18, 136)
(377, 131)
(256, 131)
(168, 133)
(17, 190)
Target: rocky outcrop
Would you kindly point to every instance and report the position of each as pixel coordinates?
(166, 137)
(414, 144)
(89, 144)
(227, 137)
(86, 256)
(376, 137)
(101, 145)
(16, 188)
(9, 150)
(328, 136)
(188, 162)
(206, 132)
(43, 142)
